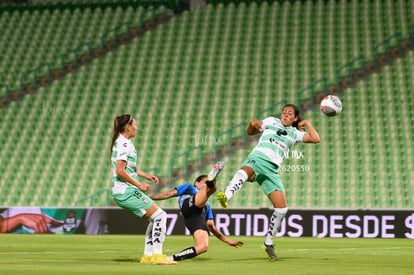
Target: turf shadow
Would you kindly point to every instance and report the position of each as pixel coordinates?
(131, 260)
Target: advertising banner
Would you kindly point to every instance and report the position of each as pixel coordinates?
(238, 222)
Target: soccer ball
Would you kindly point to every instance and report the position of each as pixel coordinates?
(331, 105)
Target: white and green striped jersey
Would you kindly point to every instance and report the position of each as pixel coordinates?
(276, 140)
(123, 150)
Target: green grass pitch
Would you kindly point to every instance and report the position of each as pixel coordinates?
(119, 254)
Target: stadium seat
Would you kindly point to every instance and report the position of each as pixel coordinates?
(202, 73)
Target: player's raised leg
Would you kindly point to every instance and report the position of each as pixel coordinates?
(200, 199)
(215, 171)
(239, 178)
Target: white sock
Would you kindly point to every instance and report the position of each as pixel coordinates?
(236, 183)
(274, 224)
(148, 240)
(159, 218)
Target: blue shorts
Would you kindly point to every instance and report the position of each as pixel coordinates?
(194, 217)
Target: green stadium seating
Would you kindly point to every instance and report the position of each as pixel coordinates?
(33, 38)
(188, 81)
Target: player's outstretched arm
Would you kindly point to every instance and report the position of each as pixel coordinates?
(254, 127)
(311, 135)
(148, 176)
(213, 229)
(164, 195)
(121, 172)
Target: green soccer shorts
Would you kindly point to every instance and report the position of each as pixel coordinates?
(267, 174)
(134, 200)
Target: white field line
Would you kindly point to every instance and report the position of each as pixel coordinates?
(63, 252)
(116, 251)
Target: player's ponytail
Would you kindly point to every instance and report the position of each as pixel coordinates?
(119, 126)
(297, 113)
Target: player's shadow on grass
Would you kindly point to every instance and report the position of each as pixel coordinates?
(261, 259)
(126, 260)
(200, 259)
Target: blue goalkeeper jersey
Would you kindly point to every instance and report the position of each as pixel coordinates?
(186, 191)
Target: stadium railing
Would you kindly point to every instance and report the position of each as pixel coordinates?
(349, 69)
(92, 4)
(309, 92)
(355, 70)
(317, 81)
(42, 70)
(109, 41)
(359, 68)
(385, 48)
(96, 197)
(4, 92)
(231, 139)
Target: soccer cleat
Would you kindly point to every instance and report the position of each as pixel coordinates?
(145, 259)
(270, 250)
(215, 171)
(160, 259)
(221, 197)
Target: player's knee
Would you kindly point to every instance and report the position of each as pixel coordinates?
(202, 248)
(201, 241)
(158, 214)
(205, 249)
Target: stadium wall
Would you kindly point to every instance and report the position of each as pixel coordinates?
(334, 223)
